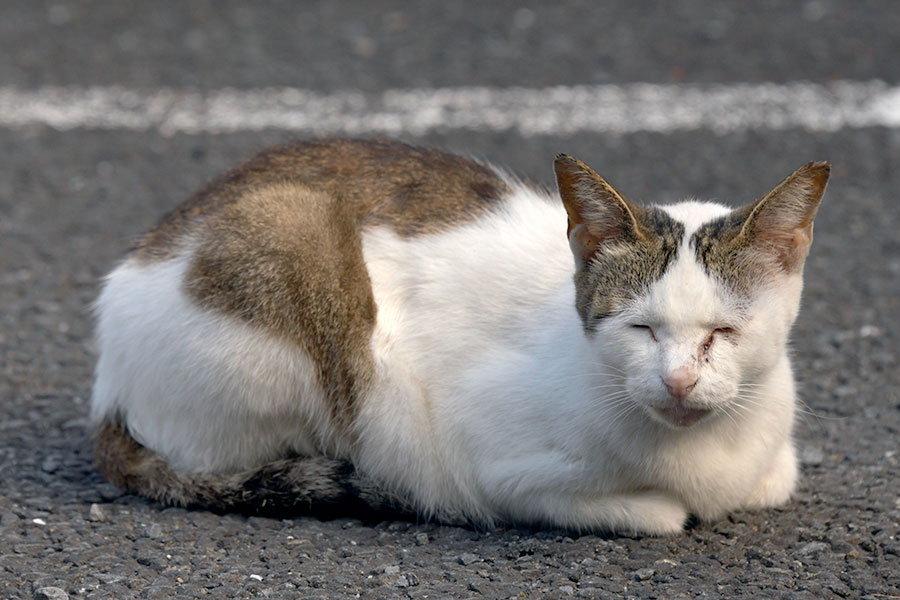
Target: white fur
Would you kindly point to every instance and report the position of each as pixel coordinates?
(490, 400)
(205, 390)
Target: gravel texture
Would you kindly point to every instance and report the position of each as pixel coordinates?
(70, 202)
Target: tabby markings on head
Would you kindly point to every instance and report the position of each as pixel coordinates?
(615, 277)
(718, 248)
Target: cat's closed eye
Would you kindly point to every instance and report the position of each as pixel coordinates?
(646, 328)
(719, 331)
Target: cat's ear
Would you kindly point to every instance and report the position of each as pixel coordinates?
(598, 213)
(780, 223)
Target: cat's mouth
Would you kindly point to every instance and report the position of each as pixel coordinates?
(679, 415)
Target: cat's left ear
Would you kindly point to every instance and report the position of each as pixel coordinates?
(780, 223)
(599, 216)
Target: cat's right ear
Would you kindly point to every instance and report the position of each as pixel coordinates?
(598, 214)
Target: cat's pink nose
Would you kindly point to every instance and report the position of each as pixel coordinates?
(680, 382)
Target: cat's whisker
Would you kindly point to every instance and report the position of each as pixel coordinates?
(623, 415)
(613, 403)
(614, 396)
(607, 385)
(740, 411)
(607, 377)
(751, 388)
(613, 391)
(805, 409)
(754, 401)
(607, 371)
(618, 401)
(752, 391)
(727, 412)
(608, 390)
(612, 368)
(637, 408)
(614, 406)
(618, 390)
(737, 405)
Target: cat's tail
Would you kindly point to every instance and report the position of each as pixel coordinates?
(319, 486)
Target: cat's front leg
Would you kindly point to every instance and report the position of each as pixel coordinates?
(648, 513)
(641, 513)
(776, 486)
(546, 489)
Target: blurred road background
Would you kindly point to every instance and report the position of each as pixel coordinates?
(76, 184)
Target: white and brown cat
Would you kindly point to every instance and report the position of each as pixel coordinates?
(341, 324)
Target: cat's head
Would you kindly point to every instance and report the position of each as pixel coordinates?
(689, 304)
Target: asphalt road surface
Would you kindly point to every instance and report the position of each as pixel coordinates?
(71, 199)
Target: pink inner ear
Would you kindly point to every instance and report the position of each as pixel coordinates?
(583, 243)
(790, 247)
(798, 248)
(586, 239)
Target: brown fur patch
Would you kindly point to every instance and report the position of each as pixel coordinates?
(317, 485)
(414, 190)
(290, 261)
(278, 241)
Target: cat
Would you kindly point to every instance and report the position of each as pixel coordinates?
(341, 325)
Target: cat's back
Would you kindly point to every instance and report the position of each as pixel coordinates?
(414, 190)
(253, 300)
(278, 242)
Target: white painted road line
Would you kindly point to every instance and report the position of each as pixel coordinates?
(617, 109)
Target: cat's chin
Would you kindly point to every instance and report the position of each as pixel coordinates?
(678, 415)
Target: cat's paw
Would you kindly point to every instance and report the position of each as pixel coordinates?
(642, 513)
(657, 514)
(776, 486)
